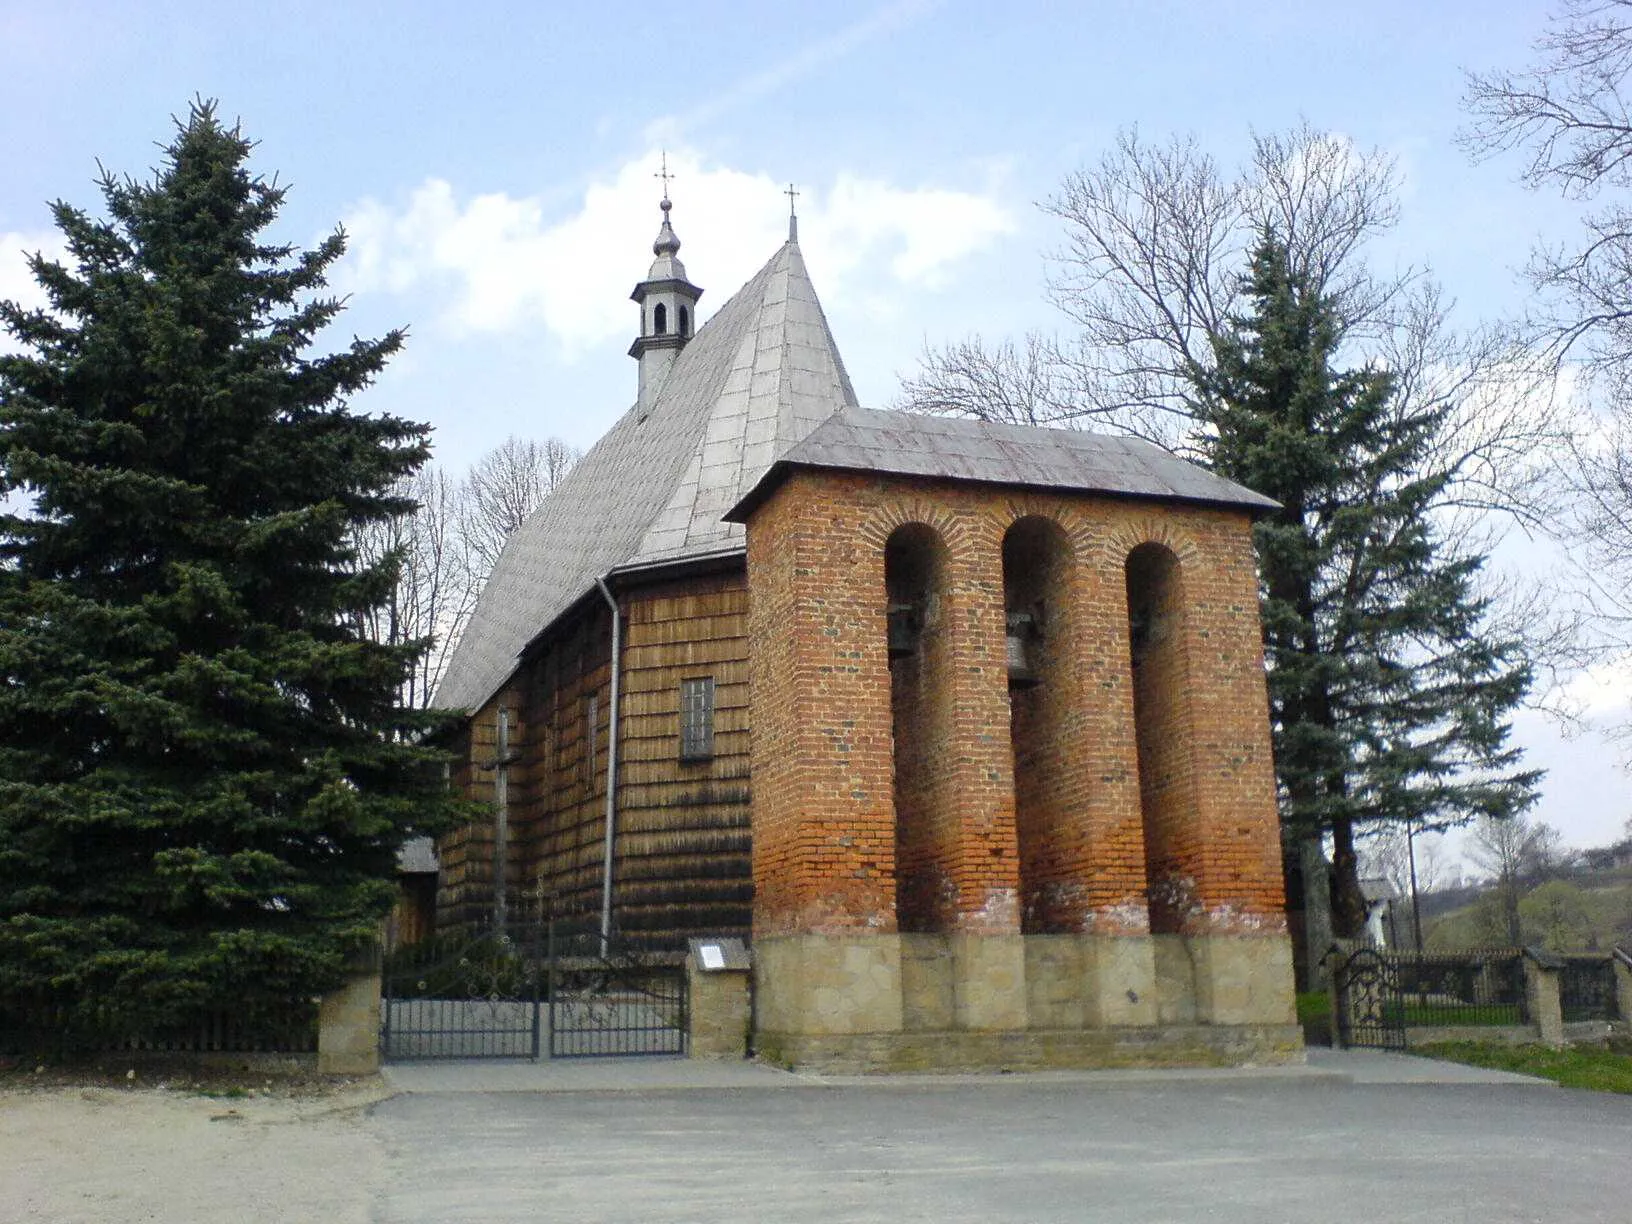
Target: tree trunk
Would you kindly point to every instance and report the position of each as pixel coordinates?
(1510, 911)
(1317, 910)
(1348, 901)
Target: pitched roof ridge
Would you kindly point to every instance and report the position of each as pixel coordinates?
(784, 380)
(600, 515)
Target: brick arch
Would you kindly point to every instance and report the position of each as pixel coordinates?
(917, 563)
(1048, 720)
(886, 519)
(1158, 615)
(1157, 530)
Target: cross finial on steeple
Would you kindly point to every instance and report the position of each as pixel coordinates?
(793, 213)
(663, 173)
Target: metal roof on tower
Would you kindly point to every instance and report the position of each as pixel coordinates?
(1022, 456)
(666, 247)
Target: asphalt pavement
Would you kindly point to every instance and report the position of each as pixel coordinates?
(1349, 1136)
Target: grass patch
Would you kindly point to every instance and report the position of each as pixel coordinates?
(1593, 1068)
(1314, 1005)
(1433, 1015)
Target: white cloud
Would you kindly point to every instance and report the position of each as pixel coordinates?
(1601, 693)
(497, 262)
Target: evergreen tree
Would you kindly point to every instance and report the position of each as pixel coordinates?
(1389, 694)
(204, 775)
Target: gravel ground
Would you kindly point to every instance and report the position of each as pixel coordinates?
(77, 1155)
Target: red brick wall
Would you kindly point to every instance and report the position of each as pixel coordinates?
(823, 815)
(823, 754)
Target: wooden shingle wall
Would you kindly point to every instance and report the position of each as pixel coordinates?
(682, 853)
(684, 862)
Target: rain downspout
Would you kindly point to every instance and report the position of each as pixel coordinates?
(611, 769)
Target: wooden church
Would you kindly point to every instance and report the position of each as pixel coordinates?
(962, 726)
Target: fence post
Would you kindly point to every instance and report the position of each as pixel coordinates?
(551, 986)
(720, 1011)
(348, 1020)
(1542, 971)
(1622, 960)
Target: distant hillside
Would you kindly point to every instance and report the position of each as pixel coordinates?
(1579, 911)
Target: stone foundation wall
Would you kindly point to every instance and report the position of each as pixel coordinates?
(951, 1002)
(1036, 1049)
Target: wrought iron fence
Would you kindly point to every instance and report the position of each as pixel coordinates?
(43, 1026)
(1472, 987)
(1368, 992)
(471, 994)
(1586, 988)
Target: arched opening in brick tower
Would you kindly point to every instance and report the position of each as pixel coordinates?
(1161, 688)
(915, 564)
(1037, 570)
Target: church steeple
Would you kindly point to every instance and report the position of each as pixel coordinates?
(668, 306)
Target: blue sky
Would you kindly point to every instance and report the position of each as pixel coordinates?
(493, 164)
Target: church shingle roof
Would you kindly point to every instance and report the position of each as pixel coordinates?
(759, 390)
(952, 448)
(758, 377)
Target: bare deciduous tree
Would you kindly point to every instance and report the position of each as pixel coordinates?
(1568, 117)
(448, 545)
(502, 489)
(434, 593)
(1157, 239)
(1025, 384)
(1516, 853)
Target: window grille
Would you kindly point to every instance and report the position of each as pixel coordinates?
(697, 719)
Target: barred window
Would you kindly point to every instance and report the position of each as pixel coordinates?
(697, 719)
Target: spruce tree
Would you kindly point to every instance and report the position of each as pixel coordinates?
(204, 774)
(1390, 694)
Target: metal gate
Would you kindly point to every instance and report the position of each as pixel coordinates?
(1370, 1010)
(470, 996)
(532, 989)
(608, 999)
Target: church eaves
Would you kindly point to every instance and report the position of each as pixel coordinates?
(1021, 456)
(752, 383)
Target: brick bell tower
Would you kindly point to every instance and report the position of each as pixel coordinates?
(1013, 801)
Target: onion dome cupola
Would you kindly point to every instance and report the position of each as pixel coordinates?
(668, 310)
